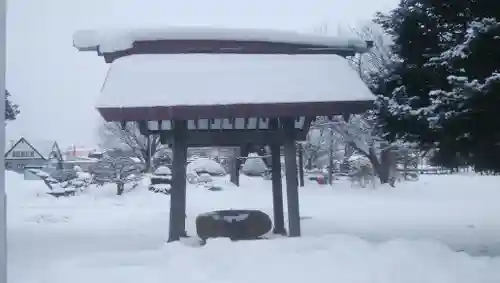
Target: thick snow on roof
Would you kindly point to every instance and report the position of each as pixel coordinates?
(203, 79)
(112, 40)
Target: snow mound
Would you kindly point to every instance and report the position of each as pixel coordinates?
(254, 165)
(163, 170)
(205, 165)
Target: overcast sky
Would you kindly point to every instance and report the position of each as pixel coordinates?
(56, 87)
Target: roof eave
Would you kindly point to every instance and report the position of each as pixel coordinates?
(268, 110)
(318, 49)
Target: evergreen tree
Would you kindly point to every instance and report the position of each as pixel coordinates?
(11, 109)
(442, 89)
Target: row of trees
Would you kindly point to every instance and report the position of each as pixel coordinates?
(435, 68)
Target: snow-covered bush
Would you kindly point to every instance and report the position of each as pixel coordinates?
(161, 180)
(205, 165)
(63, 182)
(117, 170)
(254, 165)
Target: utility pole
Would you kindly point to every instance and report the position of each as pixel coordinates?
(3, 196)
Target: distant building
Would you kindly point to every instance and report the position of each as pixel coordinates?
(76, 151)
(33, 153)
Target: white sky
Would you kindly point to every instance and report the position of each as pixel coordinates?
(56, 87)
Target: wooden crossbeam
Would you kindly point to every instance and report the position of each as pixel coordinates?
(274, 123)
(233, 137)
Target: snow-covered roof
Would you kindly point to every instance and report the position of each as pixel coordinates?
(169, 80)
(112, 40)
(77, 159)
(44, 147)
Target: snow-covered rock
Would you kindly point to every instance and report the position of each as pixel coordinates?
(205, 165)
(163, 170)
(205, 178)
(254, 165)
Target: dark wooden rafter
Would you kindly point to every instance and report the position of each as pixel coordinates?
(233, 137)
(236, 110)
(224, 47)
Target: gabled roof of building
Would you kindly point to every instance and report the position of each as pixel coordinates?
(43, 147)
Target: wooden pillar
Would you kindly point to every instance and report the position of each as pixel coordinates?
(178, 191)
(292, 190)
(148, 154)
(301, 165)
(235, 167)
(278, 210)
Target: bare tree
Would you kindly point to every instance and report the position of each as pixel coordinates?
(359, 132)
(378, 58)
(360, 135)
(314, 144)
(129, 138)
(118, 170)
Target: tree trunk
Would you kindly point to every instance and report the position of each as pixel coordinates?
(301, 164)
(119, 189)
(148, 154)
(382, 167)
(309, 163)
(330, 160)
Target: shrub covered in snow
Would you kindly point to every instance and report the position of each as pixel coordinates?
(157, 186)
(254, 166)
(205, 165)
(63, 182)
(161, 180)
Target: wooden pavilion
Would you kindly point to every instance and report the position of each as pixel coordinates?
(199, 87)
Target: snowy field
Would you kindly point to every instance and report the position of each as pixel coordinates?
(443, 229)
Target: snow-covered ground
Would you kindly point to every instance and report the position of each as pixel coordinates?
(406, 234)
